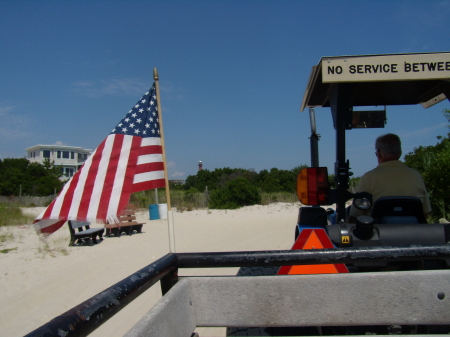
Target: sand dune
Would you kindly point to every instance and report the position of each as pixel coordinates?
(39, 281)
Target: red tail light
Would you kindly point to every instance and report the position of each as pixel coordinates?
(312, 186)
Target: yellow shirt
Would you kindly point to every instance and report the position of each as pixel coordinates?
(389, 179)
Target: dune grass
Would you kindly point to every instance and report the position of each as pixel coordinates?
(12, 215)
(53, 247)
(6, 236)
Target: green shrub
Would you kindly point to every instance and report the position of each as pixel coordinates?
(236, 193)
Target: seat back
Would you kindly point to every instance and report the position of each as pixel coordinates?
(78, 224)
(129, 216)
(398, 210)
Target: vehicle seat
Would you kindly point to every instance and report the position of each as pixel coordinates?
(398, 210)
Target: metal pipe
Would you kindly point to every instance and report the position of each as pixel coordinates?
(340, 96)
(89, 315)
(314, 139)
(313, 256)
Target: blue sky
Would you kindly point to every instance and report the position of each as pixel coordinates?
(232, 74)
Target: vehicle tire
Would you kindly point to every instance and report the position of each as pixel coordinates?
(268, 331)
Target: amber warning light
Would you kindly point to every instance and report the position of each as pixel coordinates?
(312, 186)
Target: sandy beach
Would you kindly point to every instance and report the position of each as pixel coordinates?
(41, 280)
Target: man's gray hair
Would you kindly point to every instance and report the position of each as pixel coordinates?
(389, 145)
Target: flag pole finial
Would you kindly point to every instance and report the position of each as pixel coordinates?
(155, 74)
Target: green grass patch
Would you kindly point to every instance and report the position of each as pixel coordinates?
(268, 198)
(54, 246)
(5, 251)
(11, 215)
(6, 237)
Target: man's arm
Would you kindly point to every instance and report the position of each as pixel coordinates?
(361, 187)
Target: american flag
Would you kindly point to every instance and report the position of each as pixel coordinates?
(129, 160)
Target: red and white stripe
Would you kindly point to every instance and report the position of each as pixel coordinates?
(101, 189)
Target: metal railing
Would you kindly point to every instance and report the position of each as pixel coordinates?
(92, 313)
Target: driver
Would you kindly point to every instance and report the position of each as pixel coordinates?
(391, 177)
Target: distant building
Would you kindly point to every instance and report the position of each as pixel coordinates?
(69, 158)
(176, 181)
(200, 165)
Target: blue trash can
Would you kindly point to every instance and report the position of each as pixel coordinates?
(154, 213)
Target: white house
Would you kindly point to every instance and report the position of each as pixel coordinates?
(70, 158)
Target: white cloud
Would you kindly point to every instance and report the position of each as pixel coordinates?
(177, 174)
(84, 84)
(117, 87)
(173, 165)
(417, 21)
(126, 87)
(4, 110)
(169, 92)
(13, 126)
(422, 132)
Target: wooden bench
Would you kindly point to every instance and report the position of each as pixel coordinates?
(127, 224)
(84, 233)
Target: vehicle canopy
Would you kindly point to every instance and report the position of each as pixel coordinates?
(343, 82)
(377, 80)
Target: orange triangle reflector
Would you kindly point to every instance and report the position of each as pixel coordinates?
(313, 239)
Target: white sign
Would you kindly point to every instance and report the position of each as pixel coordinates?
(386, 68)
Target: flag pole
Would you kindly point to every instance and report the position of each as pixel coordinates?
(166, 175)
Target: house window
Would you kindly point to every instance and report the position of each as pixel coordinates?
(65, 154)
(72, 155)
(58, 154)
(69, 171)
(46, 153)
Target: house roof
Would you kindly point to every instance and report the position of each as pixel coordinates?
(58, 147)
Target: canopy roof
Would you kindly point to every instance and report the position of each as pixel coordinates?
(378, 80)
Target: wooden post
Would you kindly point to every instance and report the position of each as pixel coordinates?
(166, 175)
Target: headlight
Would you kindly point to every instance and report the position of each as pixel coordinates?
(363, 201)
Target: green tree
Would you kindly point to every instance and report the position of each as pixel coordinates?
(433, 162)
(51, 169)
(19, 175)
(216, 179)
(296, 170)
(279, 180)
(274, 181)
(12, 175)
(236, 193)
(202, 179)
